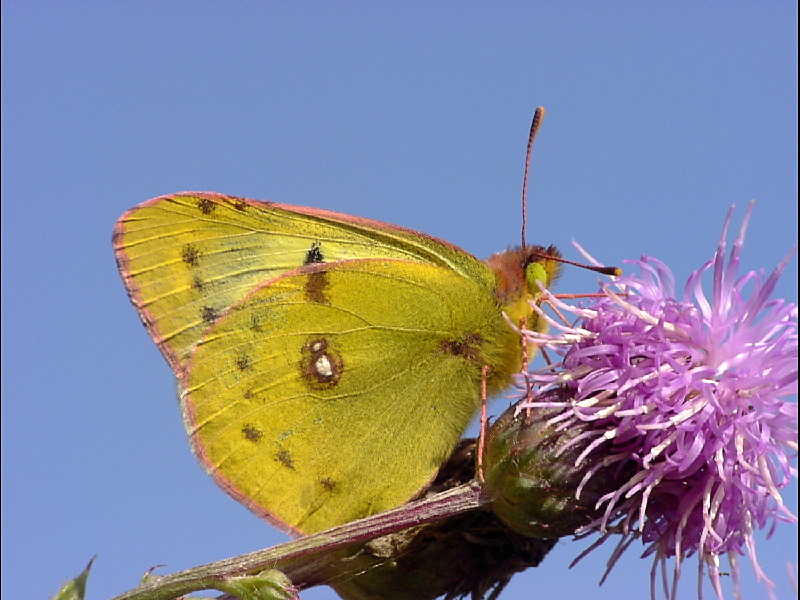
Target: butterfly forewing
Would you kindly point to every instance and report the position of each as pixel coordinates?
(188, 257)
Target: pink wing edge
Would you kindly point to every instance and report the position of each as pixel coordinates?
(134, 293)
(305, 210)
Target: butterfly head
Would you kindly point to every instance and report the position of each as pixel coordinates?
(520, 273)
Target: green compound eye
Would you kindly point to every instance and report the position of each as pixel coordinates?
(534, 273)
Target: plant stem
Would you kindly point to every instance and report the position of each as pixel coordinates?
(303, 559)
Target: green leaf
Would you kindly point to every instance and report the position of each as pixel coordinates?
(267, 585)
(76, 588)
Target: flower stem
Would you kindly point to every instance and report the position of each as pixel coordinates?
(304, 560)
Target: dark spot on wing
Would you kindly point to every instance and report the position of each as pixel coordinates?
(243, 362)
(197, 283)
(314, 255)
(248, 394)
(206, 206)
(252, 433)
(328, 483)
(320, 366)
(467, 347)
(239, 204)
(209, 314)
(255, 322)
(285, 458)
(316, 283)
(190, 254)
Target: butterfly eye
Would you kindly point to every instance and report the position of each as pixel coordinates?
(535, 273)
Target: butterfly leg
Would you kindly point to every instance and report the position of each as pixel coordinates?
(482, 437)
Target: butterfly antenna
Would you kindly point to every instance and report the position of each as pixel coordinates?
(538, 115)
(603, 270)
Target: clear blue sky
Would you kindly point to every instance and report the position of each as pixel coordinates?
(660, 115)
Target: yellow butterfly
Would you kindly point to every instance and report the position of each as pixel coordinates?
(327, 364)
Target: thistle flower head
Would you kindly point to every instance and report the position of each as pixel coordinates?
(695, 392)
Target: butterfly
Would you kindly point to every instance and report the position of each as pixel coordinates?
(327, 364)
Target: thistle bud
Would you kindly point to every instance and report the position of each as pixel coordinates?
(539, 483)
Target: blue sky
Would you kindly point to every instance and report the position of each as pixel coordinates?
(660, 116)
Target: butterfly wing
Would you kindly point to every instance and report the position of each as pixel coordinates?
(336, 390)
(186, 258)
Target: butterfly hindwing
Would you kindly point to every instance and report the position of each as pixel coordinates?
(335, 390)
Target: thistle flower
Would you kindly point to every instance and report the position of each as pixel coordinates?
(695, 393)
